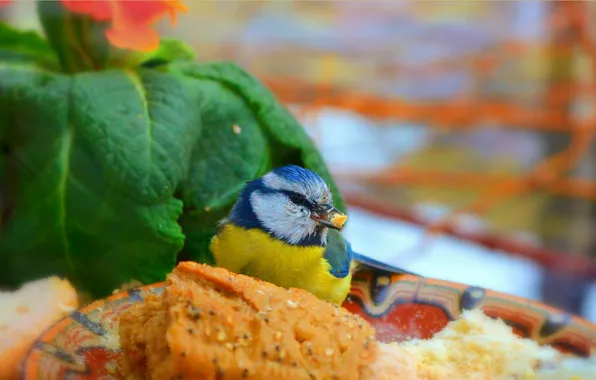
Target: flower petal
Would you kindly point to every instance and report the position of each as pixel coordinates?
(146, 12)
(98, 10)
(139, 37)
(131, 20)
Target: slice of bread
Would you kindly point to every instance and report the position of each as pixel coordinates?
(26, 313)
(213, 324)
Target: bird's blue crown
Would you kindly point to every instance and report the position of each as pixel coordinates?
(299, 175)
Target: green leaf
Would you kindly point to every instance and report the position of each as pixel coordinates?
(199, 229)
(169, 50)
(246, 133)
(25, 46)
(99, 157)
(143, 128)
(105, 162)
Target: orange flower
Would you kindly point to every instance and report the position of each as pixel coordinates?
(131, 21)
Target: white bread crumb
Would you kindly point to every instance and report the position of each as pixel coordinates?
(26, 313)
(474, 347)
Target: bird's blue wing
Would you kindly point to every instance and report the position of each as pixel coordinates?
(338, 253)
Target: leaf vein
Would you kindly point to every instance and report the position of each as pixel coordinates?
(138, 84)
(64, 159)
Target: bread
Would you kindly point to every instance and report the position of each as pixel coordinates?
(26, 313)
(474, 347)
(212, 324)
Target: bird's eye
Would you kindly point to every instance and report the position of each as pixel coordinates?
(298, 199)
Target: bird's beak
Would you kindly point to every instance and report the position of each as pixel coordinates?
(331, 217)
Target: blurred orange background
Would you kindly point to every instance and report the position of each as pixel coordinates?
(471, 119)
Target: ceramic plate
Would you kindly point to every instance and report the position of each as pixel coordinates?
(85, 345)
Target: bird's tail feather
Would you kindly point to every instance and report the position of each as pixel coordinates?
(380, 265)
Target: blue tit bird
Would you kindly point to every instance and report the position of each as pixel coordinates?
(285, 230)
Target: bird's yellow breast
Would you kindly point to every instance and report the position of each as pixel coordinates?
(256, 253)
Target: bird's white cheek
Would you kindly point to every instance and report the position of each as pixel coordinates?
(303, 215)
(283, 218)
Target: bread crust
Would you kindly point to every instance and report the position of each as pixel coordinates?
(212, 324)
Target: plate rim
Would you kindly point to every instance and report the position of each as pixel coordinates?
(24, 367)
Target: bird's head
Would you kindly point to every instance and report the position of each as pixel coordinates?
(291, 203)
